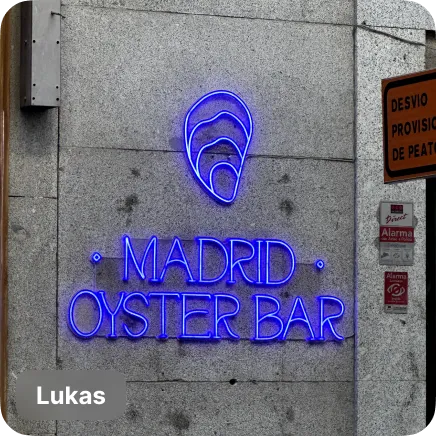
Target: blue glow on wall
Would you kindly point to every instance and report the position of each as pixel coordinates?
(189, 313)
(213, 315)
(262, 253)
(129, 314)
(135, 315)
(320, 264)
(259, 263)
(195, 157)
(71, 313)
(96, 257)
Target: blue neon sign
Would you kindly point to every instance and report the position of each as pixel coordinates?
(195, 152)
(214, 315)
(271, 319)
(218, 312)
(262, 254)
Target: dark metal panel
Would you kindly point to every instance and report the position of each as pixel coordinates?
(40, 47)
(431, 296)
(25, 53)
(431, 266)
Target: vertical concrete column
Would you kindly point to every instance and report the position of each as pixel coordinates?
(390, 349)
(32, 240)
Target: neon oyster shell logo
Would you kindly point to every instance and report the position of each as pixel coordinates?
(218, 131)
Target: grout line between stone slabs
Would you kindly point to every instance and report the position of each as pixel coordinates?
(57, 250)
(394, 27)
(32, 197)
(205, 14)
(355, 248)
(249, 156)
(238, 381)
(366, 26)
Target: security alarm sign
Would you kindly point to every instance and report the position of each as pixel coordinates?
(397, 234)
(396, 290)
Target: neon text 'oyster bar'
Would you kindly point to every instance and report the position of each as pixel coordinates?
(270, 321)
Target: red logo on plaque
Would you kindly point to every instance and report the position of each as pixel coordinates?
(397, 208)
(397, 234)
(396, 288)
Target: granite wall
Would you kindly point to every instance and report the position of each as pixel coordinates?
(110, 162)
(390, 350)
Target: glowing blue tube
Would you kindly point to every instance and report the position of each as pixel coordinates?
(186, 314)
(76, 330)
(223, 317)
(238, 262)
(129, 254)
(183, 261)
(328, 319)
(258, 298)
(163, 310)
(304, 319)
(134, 314)
(283, 244)
(207, 182)
(201, 242)
(111, 313)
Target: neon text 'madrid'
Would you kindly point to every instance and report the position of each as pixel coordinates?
(259, 251)
(202, 315)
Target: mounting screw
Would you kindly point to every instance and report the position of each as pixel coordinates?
(320, 264)
(95, 257)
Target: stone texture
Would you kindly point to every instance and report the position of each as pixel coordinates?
(386, 58)
(93, 3)
(151, 360)
(305, 283)
(32, 296)
(394, 13)
(298, 80)
(89, 174)
(331, 11)
(390, 349)
(241, 409)
(33, 140)
(370, 192)
(282, 198)
(390, 408)
(151, 67)
(23, 426)
(258, 212)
